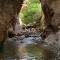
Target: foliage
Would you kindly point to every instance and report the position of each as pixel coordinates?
(32, 12)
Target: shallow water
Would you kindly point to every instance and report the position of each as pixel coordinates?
(26, 49)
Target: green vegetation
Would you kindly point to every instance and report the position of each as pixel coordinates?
(31, 12)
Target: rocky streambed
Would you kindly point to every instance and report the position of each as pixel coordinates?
(29, 47)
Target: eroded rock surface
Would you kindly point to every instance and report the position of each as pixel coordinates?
(51, 11)
(8, 10)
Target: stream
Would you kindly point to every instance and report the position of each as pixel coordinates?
(24, 48)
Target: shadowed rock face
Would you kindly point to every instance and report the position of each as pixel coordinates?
(51, 9)
(55, 5)
(8, 10)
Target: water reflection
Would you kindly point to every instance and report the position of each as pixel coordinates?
(28, 50)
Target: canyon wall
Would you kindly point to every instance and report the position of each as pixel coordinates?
(51, 9)
(8, 10)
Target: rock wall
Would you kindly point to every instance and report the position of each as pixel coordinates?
(51, 10)
(8, 10)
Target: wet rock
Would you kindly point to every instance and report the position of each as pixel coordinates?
(18, 34)
(37, 39)
(11, 34)
(26, 35)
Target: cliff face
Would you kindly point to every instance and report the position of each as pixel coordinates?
(56, 18)
(51, 10)
(8, 10)
(55, 5)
